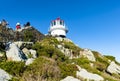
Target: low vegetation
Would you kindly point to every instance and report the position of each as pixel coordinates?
(14, 68)
(48, 48)
(53, 65)
(42, 69)
(75, 49)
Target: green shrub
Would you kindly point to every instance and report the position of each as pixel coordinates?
(67, 70)
(100, 66)
(85, 63)
(101, 62)
(110, 79)
(75, 49)
(28, 36)
(50, 41)
(13, 68)
(116, 75)
(42, 69)
(14, 79)
(81, 61)
(100, 58)
(110, 57)
(3, 57)
(44, 49)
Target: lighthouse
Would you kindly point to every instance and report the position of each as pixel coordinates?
(57, 28)
(18, 26)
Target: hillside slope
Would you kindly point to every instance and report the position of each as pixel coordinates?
(52, 59)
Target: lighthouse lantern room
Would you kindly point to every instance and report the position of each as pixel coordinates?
(57, 28)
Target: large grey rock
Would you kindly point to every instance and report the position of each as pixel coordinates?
(29, 61)
(87, 53)
(64, 50)
(67, 52)
(70, 78)
(1, 54)
(113, 68)
(4, 76)
(20, 43)
(13, 53)
(83, 73)
(63, 39)
(30, 52)
(33, 53)
(26, 51)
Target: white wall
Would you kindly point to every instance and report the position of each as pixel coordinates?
(58, 32)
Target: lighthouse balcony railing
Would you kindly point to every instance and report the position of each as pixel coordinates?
(58, 28)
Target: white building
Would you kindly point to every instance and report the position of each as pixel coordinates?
(57, 28)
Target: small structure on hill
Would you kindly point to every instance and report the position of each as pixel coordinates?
(58, 28)
(18, 26)
(27, 25)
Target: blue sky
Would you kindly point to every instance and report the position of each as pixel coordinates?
(93, 24)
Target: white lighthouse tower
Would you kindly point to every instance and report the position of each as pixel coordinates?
(57, 28)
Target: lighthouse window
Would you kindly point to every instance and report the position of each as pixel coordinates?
(54, 23)
(60, 22)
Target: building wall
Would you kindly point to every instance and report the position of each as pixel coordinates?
(58, 32)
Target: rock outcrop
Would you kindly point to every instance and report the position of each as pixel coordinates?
(30, 53)
(13, 53)
(27, 34)
(4, 76)
(21, 44)
(113, 68)
(26, 51)
(64, 50)
(33, 53)
(65, 39)
(29, 61)
(70, 78)
(6, 34)
(67, 52)
(84, 74)
(87, 53)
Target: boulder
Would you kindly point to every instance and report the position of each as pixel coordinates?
(79, 68)
(70, 78)
(26, 51)
(22, 44)
(19, 43)
(60, 47)
(64, 50)
(85, 75)
(88, 53)
(113, 68)
(29, 61)
(67, 52)
(30, 53)
(4, 76)
(13, 53)
(63, 39)
(1, 54)
(33, 52)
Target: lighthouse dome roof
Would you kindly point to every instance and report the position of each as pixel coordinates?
(17, 23)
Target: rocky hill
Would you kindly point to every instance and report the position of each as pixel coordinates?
(6, 34)
(29, 34)
(44, 58)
